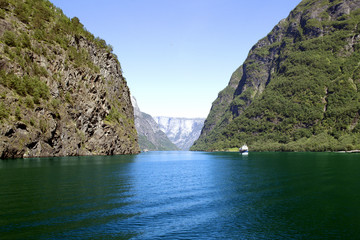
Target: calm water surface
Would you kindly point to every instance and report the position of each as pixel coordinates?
(182, 195)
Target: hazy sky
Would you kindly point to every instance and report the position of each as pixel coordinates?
(178, 54)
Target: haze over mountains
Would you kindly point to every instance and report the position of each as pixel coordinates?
(181, 131)
(165, 133)
(151, 138)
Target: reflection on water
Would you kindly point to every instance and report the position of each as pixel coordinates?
(182, 195)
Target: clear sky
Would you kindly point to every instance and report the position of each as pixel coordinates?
(178, 54)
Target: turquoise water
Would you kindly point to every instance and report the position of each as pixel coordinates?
(182, 195)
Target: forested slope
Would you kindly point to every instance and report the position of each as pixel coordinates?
(62, 91)
(298, 89)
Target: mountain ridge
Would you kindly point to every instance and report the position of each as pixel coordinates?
(181, 131)
(291, 90)
(151, 138)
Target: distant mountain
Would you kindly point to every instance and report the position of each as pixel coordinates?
(298, 89)
(150, 137)
(181, 131)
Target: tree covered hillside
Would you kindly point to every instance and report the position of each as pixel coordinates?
(299, 88)
(61, 89)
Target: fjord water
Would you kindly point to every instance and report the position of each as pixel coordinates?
(182, 195)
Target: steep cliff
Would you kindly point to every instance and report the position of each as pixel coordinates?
(62, 90)
(150, 136)
(181, 131)
(298, 89)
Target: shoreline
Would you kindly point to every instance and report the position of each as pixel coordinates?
(351, 151)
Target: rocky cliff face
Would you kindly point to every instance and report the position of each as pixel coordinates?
(62, 90)
(181, 131)
(151, 138)
(295, 85)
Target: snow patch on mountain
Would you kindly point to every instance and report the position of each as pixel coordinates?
(150, 137)
(183, 132)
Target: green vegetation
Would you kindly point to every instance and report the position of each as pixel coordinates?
(25, 85)
(145, 143)
(312, 101)
(47, 24)
(9, 38)
(43, 125)
(18, 113)
(114, 115)
(42, 30)
(163, 145)
(4, 112)
(234, 149)
(48, 78)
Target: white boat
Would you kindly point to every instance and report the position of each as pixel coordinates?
(244, 149)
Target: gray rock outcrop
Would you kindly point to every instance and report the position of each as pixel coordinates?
(181, 131)
(151, 138)
(86, 107)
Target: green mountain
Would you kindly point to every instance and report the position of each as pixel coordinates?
(298, 89)
(62, 91)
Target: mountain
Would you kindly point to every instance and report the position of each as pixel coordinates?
(149, 134)
(181, 131)
(298, 89)
(62, 91)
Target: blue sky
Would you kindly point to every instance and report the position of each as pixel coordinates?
(178, 54)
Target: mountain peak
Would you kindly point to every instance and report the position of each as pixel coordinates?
(151, 137)
(299, 84)
(181, 131)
